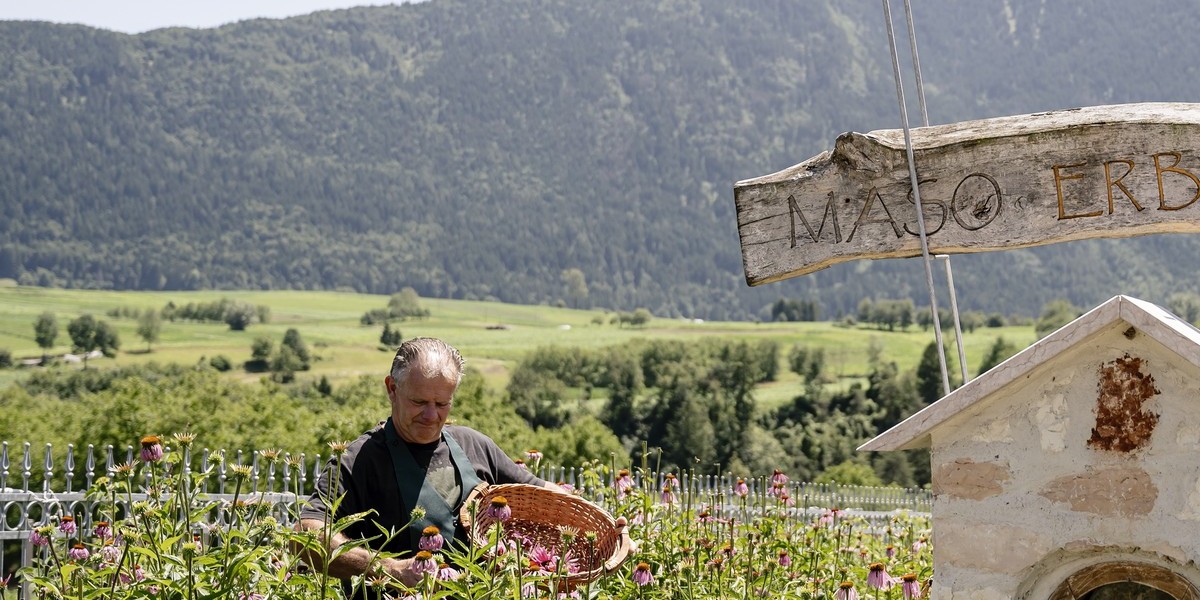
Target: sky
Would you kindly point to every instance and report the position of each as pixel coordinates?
(137, 16)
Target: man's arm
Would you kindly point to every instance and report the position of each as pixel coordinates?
(356, 561)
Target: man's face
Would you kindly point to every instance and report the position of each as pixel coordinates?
(420, 404)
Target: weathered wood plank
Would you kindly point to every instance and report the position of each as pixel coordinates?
(992, 184)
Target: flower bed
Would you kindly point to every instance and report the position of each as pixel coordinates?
(180, 543)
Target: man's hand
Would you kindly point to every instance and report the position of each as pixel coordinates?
(402, 570)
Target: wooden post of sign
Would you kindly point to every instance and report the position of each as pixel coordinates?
(992, 184)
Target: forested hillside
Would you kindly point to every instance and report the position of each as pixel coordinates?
(474, 149)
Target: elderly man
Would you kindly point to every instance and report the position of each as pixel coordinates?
(413, 459)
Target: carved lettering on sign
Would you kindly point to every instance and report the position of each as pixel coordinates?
(985, 185)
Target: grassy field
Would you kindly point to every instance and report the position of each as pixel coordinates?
(329, 324)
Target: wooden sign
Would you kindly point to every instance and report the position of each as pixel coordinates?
(992, 184)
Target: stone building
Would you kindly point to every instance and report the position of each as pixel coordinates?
(1071, 470)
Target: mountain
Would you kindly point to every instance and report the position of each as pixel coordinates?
(474, 149)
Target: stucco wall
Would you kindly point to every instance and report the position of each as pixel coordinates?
(1024, 486)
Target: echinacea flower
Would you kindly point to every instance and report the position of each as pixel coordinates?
(137, 575)
(38, 538)
(668, 494)
(642, 574)
(846, 591)
(624, 481)
(67, 525)
(567, 534)
(741, 489)
(152, 450)
(521, 464)
(431, 539)
(779, 478)
(533, 455)
(78, 553)
(102, 530)
(499, 510)
(447, 573)
(542, 560)
(785, 559)
(878, 577)
(110, 552)
(919, 544)
(910, 586)
(423, 564)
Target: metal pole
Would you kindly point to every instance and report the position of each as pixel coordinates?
(912, 45)
(962, 355)
(912, 176)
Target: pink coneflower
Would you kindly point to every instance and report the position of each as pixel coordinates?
(521, 464)
(499, 510)
(152, 450)
(846, 591)
(542, 560)
(529, 590)
(39, 539)
(785, 559)
(502, 547)
(910, 586)
(828, 517)
(137, 575)
(67, 525)
(447, 573)
(878, 577)
(533, 455)
(102, 530)
(431, 539)
(78, 553)
(423, 563)
(741, 489)
(668, 494)
(919, 544)
(642, 574)
(568, 488)
(623, 482)
(890, 551)
(779, 478)
(786, 499)
(110, 552)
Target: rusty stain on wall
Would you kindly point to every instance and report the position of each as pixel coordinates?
(1122, 424)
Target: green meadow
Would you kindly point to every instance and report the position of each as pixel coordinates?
(492, 336)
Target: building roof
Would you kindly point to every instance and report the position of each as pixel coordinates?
(1150, 319)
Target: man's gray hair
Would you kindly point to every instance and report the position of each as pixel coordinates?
(434, 356)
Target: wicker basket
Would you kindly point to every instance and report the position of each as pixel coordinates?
(538, 514)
